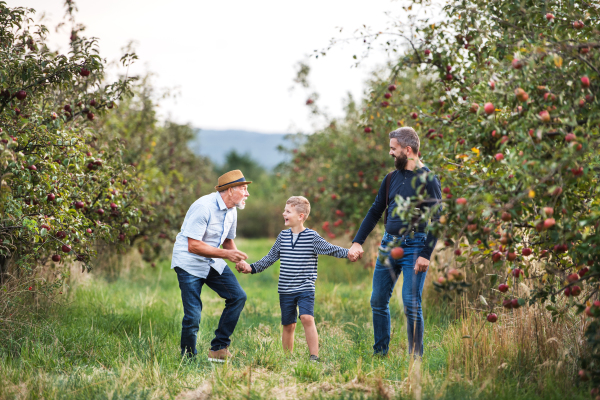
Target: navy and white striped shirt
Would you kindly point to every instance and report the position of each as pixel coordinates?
(298, 271)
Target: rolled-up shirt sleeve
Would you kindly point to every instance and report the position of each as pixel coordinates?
(196, 227)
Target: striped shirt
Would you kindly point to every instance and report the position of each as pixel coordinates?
(298, 271)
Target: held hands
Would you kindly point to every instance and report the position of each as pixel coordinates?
(243, 267)
(356, 252)
(236, 256)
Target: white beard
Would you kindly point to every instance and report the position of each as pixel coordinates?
(240, 206)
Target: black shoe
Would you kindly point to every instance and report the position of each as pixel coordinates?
(314, 358)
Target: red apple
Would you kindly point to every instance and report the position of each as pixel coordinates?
(548, 210)
(88, 230)
(113, 206)
(578, 24)
(567, 291)
(507, 303)
(492, 85)
(510, 256)
(583, 271)
(414, 115)
(572, 278)
(503, 287)
(61, 234)
(446, 190)
(517, 64)
(397, 253)
(51, 197)
(585, 81)
(544, 116)
(575, 291)
(588, 311)
(100, 211)
(65, 248)
(517, 272)
(506, 216)
(549, 16)
(489, 108)
(461, 201)
(391, 88)
(384, 104)
(441, 280)
(526, 251)
(21, 94)
(515, 303)
(474, 108)
(521, 95)
(427, 52)
(387, 95)
(449, 77)
(492, 318)
(499, 157)
(32, 168)
(457, 252)
(56, 258)
(84, 72)
(496, 256)
(308, 102)
(569, 137)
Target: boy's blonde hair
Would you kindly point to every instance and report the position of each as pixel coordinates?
(301, 205)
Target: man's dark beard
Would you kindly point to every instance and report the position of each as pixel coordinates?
(400, 162)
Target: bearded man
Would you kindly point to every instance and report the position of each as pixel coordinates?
(415, 239)
(209, 224)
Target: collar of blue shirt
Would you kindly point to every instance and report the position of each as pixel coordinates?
(220, 202)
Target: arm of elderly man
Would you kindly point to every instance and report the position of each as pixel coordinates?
(229, 250)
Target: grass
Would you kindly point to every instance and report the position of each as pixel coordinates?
(119, 339)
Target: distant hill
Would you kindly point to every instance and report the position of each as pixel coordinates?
(262, 147)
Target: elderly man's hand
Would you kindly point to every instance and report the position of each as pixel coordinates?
(236, 256)
(421, 265)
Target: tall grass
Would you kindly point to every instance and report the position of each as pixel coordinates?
(119, 338)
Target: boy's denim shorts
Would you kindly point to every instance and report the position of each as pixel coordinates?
(305, 301)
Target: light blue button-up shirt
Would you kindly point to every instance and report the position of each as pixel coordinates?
(210, 221)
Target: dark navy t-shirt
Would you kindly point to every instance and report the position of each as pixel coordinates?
(407, 184)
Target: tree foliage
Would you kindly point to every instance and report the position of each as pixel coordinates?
(504, 98)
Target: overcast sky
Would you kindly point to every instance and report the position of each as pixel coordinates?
(232, 62)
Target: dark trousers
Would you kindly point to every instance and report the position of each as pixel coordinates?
(228, 288)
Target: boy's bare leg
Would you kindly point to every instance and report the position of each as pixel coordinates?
(312, 337)
(287, 338)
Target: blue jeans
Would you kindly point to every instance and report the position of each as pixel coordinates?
(228, 288)
(384, 280)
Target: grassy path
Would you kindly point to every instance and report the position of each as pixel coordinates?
(120, 339)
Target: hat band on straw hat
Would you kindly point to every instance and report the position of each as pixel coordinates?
(242, 179)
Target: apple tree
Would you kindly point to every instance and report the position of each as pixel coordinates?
(508, 115)
(62, 191)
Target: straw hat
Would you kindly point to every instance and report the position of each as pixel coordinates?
(231, 179)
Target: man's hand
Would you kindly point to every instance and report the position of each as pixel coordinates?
(422, 265)
(356, 252)
(236, 256)
(243, 267)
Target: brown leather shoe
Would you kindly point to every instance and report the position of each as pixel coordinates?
(219, 355)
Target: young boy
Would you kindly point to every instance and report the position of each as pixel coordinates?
(298, 249)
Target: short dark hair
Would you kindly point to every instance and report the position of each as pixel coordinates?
(407, 136)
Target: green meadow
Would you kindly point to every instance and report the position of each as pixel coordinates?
(116, 336)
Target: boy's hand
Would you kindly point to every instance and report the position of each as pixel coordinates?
(243, 267)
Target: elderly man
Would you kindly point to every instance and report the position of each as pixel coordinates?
(417, 242)
(209, 224)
